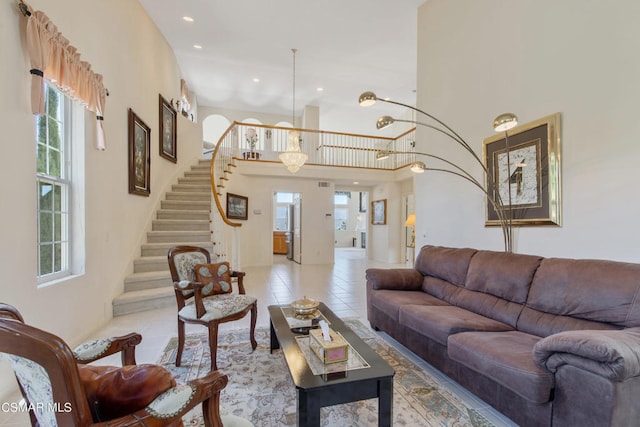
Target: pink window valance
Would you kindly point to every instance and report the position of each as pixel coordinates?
(53, 58)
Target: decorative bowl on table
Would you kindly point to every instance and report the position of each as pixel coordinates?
(305, 307)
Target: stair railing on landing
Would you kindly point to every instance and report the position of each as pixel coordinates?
(247, 141)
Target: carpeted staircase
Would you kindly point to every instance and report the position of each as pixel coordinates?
(183, 219)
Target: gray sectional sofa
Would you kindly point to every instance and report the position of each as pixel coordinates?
(546, 341)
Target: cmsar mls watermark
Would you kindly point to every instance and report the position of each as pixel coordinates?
(23, 406)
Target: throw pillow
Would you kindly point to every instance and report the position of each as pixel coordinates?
(114, 392)
(215, 277)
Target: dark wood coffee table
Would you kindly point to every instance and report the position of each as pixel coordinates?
(317, 391)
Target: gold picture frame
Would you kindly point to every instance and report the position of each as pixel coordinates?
(237, 206)
(139, 156)
(168, 130)
(531, 183)
(379, 212)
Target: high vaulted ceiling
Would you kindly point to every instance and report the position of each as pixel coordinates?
(344, 47)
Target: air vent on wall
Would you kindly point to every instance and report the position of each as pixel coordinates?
(323, 184)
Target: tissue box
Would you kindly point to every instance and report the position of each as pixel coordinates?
(332, 351)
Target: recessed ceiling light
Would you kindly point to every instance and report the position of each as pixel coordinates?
(356, 182)
(187, 18)
(256, 80)
(320, 89)
(197, 46)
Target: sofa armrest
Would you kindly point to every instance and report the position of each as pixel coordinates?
(614, 355)
(406, 279)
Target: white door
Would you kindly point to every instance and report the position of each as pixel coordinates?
(297, 208)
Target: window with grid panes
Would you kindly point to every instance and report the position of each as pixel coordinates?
(53, 132)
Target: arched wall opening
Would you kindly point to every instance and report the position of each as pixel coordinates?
(213, 127)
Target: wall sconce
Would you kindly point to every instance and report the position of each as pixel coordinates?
(175, 103)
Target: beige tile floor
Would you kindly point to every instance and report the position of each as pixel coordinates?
(341, 286)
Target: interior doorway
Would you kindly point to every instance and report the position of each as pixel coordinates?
(297, 228)
(287, 225)
(350, 215)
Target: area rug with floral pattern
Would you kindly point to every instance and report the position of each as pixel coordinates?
(261, 390)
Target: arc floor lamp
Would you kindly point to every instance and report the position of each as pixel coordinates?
(502, 123)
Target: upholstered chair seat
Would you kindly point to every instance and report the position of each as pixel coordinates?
(234, 421)
(218, 307)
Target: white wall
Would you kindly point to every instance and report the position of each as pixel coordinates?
(213, 126)
(534, 58)
(122, 43)
(388, 240)
(256, 234)
(359, 121)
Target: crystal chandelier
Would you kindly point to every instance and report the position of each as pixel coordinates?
(293, 158)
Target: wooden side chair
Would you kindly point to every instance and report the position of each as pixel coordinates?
(61, 390)
(205, 296)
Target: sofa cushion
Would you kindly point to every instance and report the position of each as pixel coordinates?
(592, 290)
(440, 289)
(406, 279)
(544, 324)
(502, 274)
(489, 306)
(505, 357)
(389, 302)
(450, 264)
(439, 322)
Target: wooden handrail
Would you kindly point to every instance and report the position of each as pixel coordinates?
(221, 211)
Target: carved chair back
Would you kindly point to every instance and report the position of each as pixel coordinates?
(182, 262)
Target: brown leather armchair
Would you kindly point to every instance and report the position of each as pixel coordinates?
(61, 390)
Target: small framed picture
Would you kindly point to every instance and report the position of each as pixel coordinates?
(139, 156)
(379, 212)
(237, 206)
(168, 131)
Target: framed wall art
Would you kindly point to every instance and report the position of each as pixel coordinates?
(237, 206)
(530, 180)
(168, 131)
(139, 156)
(379, 212)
